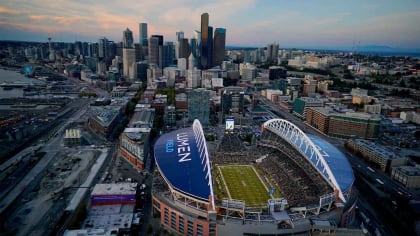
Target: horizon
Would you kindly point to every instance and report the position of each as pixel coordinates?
(375, 49)
(248, 22)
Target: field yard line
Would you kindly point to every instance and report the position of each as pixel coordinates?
(263, 183)
(224, 182)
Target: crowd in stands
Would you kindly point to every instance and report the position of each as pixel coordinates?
(231, 143)
(298, 181)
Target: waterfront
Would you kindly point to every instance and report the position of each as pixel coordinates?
(13, 76)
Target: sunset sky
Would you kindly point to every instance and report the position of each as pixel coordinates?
(298, 23)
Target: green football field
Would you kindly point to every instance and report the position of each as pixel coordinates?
(241, 182)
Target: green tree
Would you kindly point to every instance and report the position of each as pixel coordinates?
(149, 229)
(402, 83)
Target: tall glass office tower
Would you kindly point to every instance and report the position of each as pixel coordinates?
(103, 48)
(143, 34)
(219, 46)
(154, 50)
(204, 40)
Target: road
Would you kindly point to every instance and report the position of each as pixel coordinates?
(51, 147)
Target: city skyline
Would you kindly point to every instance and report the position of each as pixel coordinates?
(249, 22)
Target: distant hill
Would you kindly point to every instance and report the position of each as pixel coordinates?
(380, 48)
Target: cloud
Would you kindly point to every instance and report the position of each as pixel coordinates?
(56, 19)
(246, 21)
(37, 17)
(8, 12)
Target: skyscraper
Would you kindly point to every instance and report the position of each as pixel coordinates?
(167, 54)
(179, 37)
(139, 52)
(159, 37)
(197, 36)
(219, 46)
(204, 40)
(103, 47)
(210, 48)
(195, 45)
(272, 51)
(128, 38)
(154, 51)
(129, 62)
(184, 49)
(143, 34)
(78, 48)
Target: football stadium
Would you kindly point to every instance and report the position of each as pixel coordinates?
(289, 182)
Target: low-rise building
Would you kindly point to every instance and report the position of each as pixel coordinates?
(159, 103)
(119, 91)
(409, 176)
(104, 119)
(169, 117)
(181, 102)
(343, 124)
(376, 154)
(143, 117)
(111, 211)
(301, 105)
(410, 116)
(134, 141)
(134, 146)
(73, 137)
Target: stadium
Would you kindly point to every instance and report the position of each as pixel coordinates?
(289, 183)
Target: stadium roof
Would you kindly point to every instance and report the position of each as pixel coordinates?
(337, 162)
(326, 158)
(183, 161)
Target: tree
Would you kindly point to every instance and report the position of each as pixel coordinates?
(402, 83)
(417, 134)
(149, 229)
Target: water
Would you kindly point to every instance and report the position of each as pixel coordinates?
(11, 76)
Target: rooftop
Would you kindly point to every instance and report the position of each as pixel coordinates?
(379, 149)
(408, 170)
(183, 161)
(115, 189)
(142, 118)
(105, 115)
(90, 232)
(345, 113)
(109, 217)
(135, 135)
(336, 160)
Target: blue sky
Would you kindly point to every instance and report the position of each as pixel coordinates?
(298, 23)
